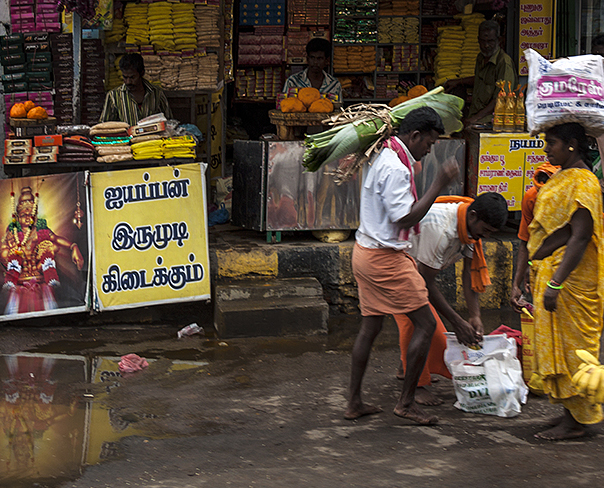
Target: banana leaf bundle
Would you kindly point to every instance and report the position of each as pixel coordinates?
(359, 131)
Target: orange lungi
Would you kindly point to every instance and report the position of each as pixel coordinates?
(435, 363)
(388, 281)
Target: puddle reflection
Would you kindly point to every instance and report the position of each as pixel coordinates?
(49, 429)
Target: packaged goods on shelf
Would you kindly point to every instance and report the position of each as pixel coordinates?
(354, 59)
(257, 14)
(398, 30)
(303, 12)
(399, 7)
(259, 83)
(470, 48)
(438, 8)
(355, 21)
(447, 63)
(135, 17)
(260, 49)
(117, 32)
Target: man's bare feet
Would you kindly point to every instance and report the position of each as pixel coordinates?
(353, 413)
(413, 412)
(567, 428)
(423, 396)
(553, 422)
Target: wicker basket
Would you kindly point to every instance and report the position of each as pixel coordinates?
(285, 122)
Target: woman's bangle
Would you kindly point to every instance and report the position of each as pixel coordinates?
(72, 246)
(530, 263)
(555, 285)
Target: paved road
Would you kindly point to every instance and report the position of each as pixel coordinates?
(268, 413)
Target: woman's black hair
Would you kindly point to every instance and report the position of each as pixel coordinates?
(573, 130)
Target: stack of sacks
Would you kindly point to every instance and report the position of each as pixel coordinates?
(179, 147)
(76, 149)
(135, 18)
(470, 48)
(183, 23)
(111, 141)
(117, 32)
(161, 33)
(169, 72)
(207, 19)
(447, 63)
(153, 68)
(187, 73)
(207, 71)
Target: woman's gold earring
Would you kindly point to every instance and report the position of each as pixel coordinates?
(571, 148)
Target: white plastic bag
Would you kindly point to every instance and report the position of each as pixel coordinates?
(491, 384)
(567, 90)
(458, 352)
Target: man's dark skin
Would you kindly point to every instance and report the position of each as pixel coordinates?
(317, 62)
(134, 82)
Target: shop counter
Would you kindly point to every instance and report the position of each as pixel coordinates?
(503, 162)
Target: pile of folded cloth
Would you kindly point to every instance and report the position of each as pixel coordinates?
(135, 18)
(147, 137)
(76, 149)
(111, 142)
(207, 19)
(179, 147)
(447, 63)
(183, 24)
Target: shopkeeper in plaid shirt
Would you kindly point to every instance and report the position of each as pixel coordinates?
(136, 98)
(318, 54)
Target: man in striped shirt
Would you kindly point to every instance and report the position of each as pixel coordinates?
(318, 54)
(136, 98)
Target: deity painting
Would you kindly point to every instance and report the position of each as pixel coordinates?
(44, 246)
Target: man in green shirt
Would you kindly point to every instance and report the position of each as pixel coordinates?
(492, 65)
(136, 98)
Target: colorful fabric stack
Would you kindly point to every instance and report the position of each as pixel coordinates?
(111, 141)
(470, 48)
(207, 19)
(76, 149)
(135, 17)
(183, 23)
(447, 63)
(161, 33)
(179, 147)
(354, 59)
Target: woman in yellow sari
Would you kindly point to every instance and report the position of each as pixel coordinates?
(567, 267)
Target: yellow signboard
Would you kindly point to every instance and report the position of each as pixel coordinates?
(506, 164)
(536, 28)
(150, 236)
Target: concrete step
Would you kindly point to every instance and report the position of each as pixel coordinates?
(287, 306)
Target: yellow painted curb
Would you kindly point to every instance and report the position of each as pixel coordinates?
(232, 264)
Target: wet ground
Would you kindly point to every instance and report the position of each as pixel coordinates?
(251, 412)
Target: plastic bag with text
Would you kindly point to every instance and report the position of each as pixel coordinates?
(566, 90)
(491, 384)
(458, 352)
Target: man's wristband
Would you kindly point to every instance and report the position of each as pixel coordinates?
(554, 285)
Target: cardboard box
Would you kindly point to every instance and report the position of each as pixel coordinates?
(11, 49)
(43, 158)
(12, 38)
(36, 37)
(35, 130)
(11, 59)
(45, 150)
(48, 140)
(15, 159)
(18, 151)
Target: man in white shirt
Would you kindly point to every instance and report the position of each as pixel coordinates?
(452, 229)
(387, 277)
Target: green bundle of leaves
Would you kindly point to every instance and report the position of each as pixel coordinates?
(356, 137)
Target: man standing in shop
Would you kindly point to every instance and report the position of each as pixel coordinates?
(492, 65)
(318, 54)
(136, 98)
